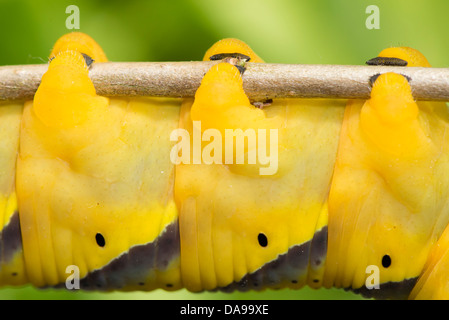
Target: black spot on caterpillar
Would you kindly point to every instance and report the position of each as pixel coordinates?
(100, 240)
(263, 241)
(386, 261)
(355, 179)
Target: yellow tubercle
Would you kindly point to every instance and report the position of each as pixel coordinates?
(231, 45)
(390, 117)
(66, 97)
(79, 42)
(391, 97)
(221, 103)
(413, 57)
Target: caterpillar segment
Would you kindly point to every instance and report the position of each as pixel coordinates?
(432, 283)
(12, 266)
(252, 224)
(219, 192)
(388, 200)
(94, 181)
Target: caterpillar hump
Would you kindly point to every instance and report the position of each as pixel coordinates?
(241, 229)
(388, 198)
(355, 185)
(93, 181)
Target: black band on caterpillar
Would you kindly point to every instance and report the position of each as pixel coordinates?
(287, 268)
(386, 61)
(10, 239)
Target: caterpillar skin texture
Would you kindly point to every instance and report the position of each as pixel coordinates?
(103, 173)
(224, 209)
(89, 181)
(388, 198)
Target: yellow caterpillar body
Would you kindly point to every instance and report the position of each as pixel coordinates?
(217, 192)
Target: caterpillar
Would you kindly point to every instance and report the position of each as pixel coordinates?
(146, 193)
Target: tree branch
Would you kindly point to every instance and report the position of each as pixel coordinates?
(261, 81)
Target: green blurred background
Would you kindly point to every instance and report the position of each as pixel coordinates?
(281, 31)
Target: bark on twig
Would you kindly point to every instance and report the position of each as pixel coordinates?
(261, 81)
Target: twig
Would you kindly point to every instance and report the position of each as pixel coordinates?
(261, 81)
